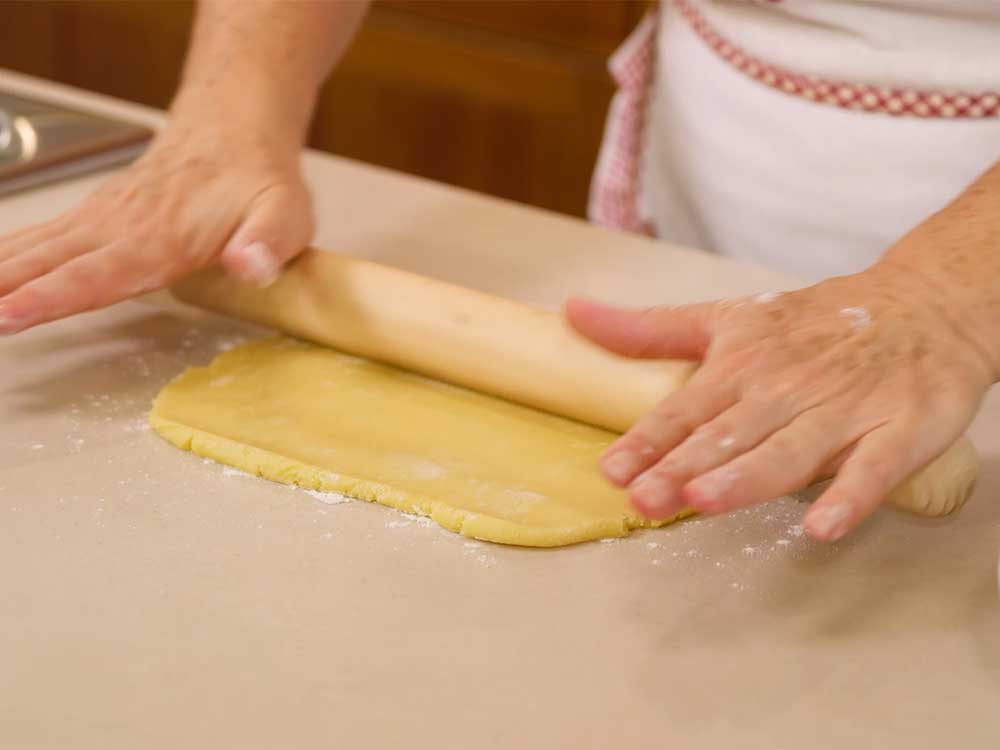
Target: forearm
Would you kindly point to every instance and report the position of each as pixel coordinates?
(956, 252)
(259, 63)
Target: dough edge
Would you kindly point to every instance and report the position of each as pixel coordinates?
(274, 467)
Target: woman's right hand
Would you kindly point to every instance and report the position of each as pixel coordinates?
(197, 196)
(220, 184)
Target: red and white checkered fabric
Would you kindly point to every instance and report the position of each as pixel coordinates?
(614, 189)
(614, 195)
(859, 96)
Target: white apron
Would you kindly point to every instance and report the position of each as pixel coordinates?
(806, 136)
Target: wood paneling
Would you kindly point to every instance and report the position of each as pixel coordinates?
(132, 50)
(501, 96)
(593, 25)
(29, 38)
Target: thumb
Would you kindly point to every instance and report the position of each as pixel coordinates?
(655, 333)
(278, 225)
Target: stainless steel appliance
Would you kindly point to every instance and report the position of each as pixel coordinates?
(42, 142)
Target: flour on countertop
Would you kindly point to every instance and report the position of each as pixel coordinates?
(139, 424)
(475, 551)
(397, 519)
(773, 530)
(330, 498)
(419, 520)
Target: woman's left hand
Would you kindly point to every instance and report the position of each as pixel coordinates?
(866, 377)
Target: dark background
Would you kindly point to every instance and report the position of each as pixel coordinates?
(504, 97)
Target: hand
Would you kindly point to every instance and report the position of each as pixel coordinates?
(196, 196)
(863, 377)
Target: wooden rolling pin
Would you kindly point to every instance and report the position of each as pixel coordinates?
(492, 345)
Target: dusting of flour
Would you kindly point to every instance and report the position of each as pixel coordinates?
(330, 498)
(858, 317)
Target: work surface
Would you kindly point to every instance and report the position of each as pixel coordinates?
(150, 599)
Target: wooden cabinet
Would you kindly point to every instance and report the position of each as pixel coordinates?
(504, 97)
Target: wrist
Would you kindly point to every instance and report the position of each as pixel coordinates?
(955, 256)
(246, 111)
(966, 301)
(190, 137)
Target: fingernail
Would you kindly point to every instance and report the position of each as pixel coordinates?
(621, 467)
(260, 266)
(653, 491)
(830, 522)
(710, 490)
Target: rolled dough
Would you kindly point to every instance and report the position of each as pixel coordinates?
(478, 465)
(495, 346)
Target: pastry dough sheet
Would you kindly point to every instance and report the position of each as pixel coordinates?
(483, 467)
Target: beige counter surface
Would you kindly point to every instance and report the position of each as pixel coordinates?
(151, 600)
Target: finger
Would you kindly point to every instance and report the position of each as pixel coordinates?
(25, 239)
(660, 431)
(87, 282)
(702, 399)
(656, 333)
(736, 431)
(44, 256)
(277, 227)
(880, 462)
(785, 462)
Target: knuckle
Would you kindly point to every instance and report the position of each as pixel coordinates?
(711, 433)
(27, 265)
(750, 468)
(733, 482)
(25, 302)
(651, 434)
(717, 377)
(788, 389)
(881, 470)
(77, 286)
(783, 446)
(797, 454)
(670, 415)
(760, 396)
(81, 274)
